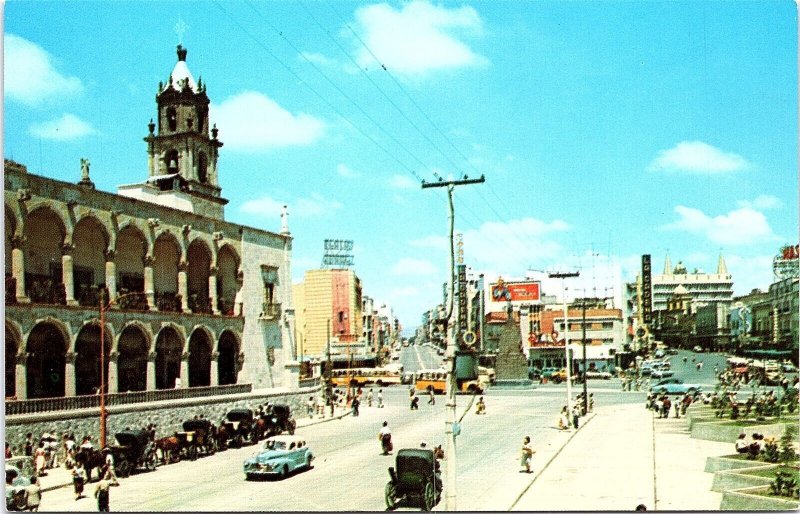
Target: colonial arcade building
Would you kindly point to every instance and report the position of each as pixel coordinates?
(188, 298)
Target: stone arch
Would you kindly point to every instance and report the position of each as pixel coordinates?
(87, 359)
(166, 259)
(199, 258)
(13, 345)
(169, 352)
(131, 250)
(90, 238)
(133, 347)
(46, 347)
(228, 349)
(45, 231)
(227, 281)
(200, 346)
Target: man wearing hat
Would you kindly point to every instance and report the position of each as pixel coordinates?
(110, 474)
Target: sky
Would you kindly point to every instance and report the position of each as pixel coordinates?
(604, 130)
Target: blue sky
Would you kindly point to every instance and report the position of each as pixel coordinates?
(605, 129)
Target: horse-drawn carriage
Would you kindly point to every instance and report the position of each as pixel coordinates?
(133, 450)
(415, 480)
(277, 421)
(240, 424)
(200, 436)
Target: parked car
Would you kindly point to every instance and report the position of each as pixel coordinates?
(280, 456)
(672, 351)
(698, 349)
(548, 372)
(661, 372)
(605, 375)
(675, 386)
(534, 373)
(788, 367)
(659, 354)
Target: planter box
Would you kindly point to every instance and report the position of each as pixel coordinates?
(746, 499)
(722, 432)
(706, 418)
(734, 479)
(726, 463)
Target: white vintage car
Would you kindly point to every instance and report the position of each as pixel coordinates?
(280, 456)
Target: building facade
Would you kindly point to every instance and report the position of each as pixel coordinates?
(702, 287)
(187, 298)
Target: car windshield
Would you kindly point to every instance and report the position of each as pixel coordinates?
(275, 445)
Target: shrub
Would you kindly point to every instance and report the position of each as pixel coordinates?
(784, 484)
(771, 453)
(787, 453)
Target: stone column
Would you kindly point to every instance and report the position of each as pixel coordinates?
(111, 275)
(69, 374)
(151, 371)
(18, 267)
(112, 382)
(149, 286)
(214, 368)
(212, 290)
(67, 275)
(183, 286)
(185, 369)
(21, 377)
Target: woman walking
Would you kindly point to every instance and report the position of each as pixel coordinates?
(527, 453)
(78, 479)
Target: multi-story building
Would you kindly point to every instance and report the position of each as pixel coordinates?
(712, 327)
(187, 297)
(702, 287)
(775, 319)
(328, 304)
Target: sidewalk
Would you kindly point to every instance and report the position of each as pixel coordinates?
(62, 477)
(623, 457)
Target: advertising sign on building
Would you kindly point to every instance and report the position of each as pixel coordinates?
(515, 291)
(462, 297)
(647, 290)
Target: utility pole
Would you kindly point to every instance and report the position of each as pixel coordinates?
(450, 463)
(563, 276)
(585, 379)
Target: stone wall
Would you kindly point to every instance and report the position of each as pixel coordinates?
(168, 416)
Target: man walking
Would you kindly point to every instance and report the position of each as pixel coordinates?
(431, 397)
(102, 493)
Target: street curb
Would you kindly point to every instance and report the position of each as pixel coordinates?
(537, 475)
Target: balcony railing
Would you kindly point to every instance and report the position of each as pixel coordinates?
(168, 302)
(200, 304)
(39, 405)
(270, 311)
(135, 301)
(42, 289)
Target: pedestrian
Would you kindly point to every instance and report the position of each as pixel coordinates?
(332, 402)
(321, 406)
(677, 409)
(310, 407)
(39, 459)
(431, 397)
(591, 402)
(665, 406)
(355, 403)
(110, 466)
(369, 397)
(102, 493)
(527, 454)
(34, 495)
(575, 416)
(415, 403)
(78, 479)
(563, 419)
(29, 444)
(8, 451)
(380, 398)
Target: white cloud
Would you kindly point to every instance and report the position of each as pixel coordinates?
(300, 207)
(317, 58)
(409, 266)
(345, 171)
(762, 203)
(64, 128)
(30, 76)
(403, 292)
(749, 273)
(402, 182)
(740, 227)
(253, 122)
(418, 38)
(439, 242)
(697, 157)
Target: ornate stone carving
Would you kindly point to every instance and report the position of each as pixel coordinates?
(110, 253)
(23, 195)
(183, 266)
(17, 241)
(218, 236)
(213, 270)
(153, 222)
(114, 213)
(67, 248)
(113, 356)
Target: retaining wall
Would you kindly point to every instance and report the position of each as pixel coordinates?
(744, 499)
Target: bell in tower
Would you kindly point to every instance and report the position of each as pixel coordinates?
(182, 151)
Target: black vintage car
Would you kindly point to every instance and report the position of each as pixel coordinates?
(278, 420)
(240, 424)
(414, 481)
(203, 436)
(133, 450)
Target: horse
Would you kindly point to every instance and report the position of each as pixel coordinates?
(90, 458)
(170, 449)
(222, 436)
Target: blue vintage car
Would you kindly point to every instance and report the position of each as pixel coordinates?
(280, 456)
(675, 386)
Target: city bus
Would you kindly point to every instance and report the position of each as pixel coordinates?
(357, 377)
(436, 380)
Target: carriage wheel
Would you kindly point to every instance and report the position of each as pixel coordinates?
(212, 446)
(175, 455)
(193, 452)
(428, 497)
(151, 461)
(391, 496)
(124, 468)
(239, 440)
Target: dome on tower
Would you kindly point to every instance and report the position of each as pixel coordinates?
(181, 73)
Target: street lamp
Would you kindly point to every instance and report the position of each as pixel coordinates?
(563, 276)
(103, 308)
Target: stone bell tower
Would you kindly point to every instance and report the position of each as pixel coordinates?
(182, 149)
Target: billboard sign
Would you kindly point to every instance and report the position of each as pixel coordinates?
(647, 291)
(515, 291)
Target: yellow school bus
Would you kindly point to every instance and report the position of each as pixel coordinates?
(436, 380)
(356, 377)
